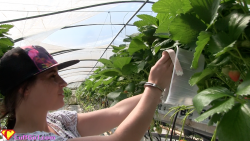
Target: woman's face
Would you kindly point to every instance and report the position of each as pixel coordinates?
(47, 92)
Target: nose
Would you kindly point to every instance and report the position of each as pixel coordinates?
(62, 82)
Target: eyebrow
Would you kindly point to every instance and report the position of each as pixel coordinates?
(51, 71)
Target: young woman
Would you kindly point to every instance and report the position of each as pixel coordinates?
(31, 85)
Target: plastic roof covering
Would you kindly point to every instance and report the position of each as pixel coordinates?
(88, 31)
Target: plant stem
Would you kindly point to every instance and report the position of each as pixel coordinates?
(234, 55)
(242, 57)
(224, 82)
(146, 72)
(215, 131)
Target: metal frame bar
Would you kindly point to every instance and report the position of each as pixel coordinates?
(69, 10)
(122, 29)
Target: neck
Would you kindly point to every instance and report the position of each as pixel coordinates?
(30, 120)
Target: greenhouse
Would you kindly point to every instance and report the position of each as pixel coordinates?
(107, 60)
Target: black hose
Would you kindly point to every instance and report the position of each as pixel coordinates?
(173, 126)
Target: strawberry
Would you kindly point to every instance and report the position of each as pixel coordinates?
(125, 91)
(234, 75)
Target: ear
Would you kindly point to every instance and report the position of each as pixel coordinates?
(24, 91)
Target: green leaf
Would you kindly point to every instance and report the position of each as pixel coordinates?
(163, 29)
(106, 62)
(244, 88)
(141, 66)
(140, 23)
(121, 97)
(149, 19)
(108, 80)
(235, 125)
(119, 62)
(214, 119)
(114, 95)
(129, 69)
(135, 46)
(130, 87)
(234, 24)
(164, 44)
(205, 97)
(98, 83)
(110, 72)
(113, 103)
(221, 60)
(186, 28)
(6, 41)
(218, 42)
(162, 18)
(226, 49)
(206, 9)
(137, 36)
(203, 39)
(116, 49)
(171, 6)
(199, 76)
(222, 107)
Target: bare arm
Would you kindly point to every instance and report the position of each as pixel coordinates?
(95, 123)
(137, 122)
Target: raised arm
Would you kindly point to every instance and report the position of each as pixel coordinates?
(137, 122)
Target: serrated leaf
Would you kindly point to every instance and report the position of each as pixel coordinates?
(119, 62)
(135, 46)
(244, 88)
(199, 76)
(110, 72)
(206, 9)
(205, 97)
(171, 6)
(218, 42)
(162, 17)
(140, 23)
(162, 44)
(203, 39)
(106, 62)
(186, 28)
(226, 49)
(222, 107)
(163, 29)
(235, 124)
(214, 119)
(137, 36)
(234, 24)
(150, 20)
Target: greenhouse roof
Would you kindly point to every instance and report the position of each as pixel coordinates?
(73, 29)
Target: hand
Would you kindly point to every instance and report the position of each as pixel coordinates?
(161, 72)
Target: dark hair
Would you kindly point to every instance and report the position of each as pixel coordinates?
(12, 100)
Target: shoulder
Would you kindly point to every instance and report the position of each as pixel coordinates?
(63, 116)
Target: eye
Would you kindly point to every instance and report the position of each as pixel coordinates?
(53, 76)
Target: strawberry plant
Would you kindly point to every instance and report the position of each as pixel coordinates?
(217, 29)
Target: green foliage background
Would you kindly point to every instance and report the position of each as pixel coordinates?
(217, 29)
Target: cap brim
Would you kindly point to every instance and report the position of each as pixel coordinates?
(67, 64)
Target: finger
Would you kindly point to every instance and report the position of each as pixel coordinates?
(164, 58)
